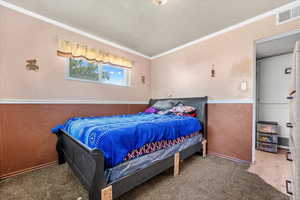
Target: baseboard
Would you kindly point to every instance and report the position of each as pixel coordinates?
(229, 157)
(23, 171)
(19, 172)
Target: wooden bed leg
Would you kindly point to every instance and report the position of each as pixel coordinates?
(106, 193)
(204, 147)
(176, 164)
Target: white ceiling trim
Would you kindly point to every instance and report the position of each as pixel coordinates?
(69, 28)
(91, 36)
(276, 37)
(248, 21)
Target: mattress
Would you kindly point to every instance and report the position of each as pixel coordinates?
(116, 136)
(131, 166)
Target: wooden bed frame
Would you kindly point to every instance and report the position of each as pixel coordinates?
(88, 165)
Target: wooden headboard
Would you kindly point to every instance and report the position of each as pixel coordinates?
(200, 103)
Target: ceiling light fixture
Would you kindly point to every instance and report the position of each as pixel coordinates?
(159, 2)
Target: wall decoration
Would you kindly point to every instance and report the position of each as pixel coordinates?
(213, 72)
(143, 78)
(31, 65)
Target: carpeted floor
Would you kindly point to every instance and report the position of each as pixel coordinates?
(211, 178)
(273, 168)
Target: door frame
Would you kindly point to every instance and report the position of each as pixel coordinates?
(254, 82)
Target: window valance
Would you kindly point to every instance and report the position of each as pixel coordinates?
(75, 50)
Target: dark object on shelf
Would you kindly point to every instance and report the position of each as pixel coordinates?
(267, 136)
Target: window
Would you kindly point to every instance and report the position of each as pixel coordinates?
(81, 69)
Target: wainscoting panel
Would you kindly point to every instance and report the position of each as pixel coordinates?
(26, 141)
(230, 130)
(1, 144)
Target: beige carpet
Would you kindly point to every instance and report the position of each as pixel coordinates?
(273, 168)
(211, 178)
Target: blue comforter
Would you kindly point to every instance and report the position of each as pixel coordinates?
(118, 135)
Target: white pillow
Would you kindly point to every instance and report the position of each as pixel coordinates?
(164, 105)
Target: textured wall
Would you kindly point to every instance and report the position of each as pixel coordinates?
(186, 72)
(23, 37)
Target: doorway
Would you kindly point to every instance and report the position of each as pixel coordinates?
(274, 57)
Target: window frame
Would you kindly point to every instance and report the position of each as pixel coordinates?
(128, 73)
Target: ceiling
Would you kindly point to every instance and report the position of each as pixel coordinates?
(147, 28)
(277, 47)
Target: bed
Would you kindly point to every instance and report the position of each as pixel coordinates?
(142, 146)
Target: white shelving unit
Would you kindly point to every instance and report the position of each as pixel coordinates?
(294, 117)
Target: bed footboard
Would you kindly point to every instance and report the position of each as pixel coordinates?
(88, 165)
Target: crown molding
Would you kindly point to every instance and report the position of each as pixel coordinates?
(99, 39)
(230, 28)
(276, 37)
(69, 28)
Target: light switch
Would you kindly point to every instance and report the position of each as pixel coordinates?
(244, 85)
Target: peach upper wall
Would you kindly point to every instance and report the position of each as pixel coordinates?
(186, 72)
(23, 37)
(183, 73)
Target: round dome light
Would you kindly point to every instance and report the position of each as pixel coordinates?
(160, 2)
